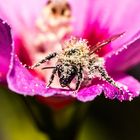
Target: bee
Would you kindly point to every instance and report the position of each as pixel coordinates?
(78, 61)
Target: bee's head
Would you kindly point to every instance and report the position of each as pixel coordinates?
(66, 74)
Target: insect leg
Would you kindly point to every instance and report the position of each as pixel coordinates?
(80, 77)
(52, 76)
(48, 68)
(106, 77)
(49, 57)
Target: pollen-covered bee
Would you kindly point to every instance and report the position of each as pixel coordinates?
(76, 60)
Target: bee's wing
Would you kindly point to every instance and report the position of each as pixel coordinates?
(99, 45)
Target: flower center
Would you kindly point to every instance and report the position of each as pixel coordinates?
(55, 13)
(53, 26)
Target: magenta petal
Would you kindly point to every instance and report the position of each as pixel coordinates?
(113, 93)
(79, 13)
(5, 49)
(106, 18)
(89, 93)
(21, 81)
(20, 14)
(130, 88)
(128, 58)
(132, 84)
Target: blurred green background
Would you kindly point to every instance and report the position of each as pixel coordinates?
(24, 118)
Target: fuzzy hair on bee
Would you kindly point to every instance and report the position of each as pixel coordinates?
(78, 61)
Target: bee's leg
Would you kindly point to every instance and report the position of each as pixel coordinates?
(52, 76)
(49, 57)
(105, 76)
(47, 68)
(80, 77)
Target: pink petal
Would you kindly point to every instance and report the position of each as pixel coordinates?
(79, 10)
(106, 18)
(128, 58)
(89, 93)
(5, 49)
(131, 88)
(20, 14)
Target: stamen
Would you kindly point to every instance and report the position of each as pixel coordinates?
(54, 13)
(54, 23)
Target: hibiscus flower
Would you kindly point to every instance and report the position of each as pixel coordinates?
(41, 27)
